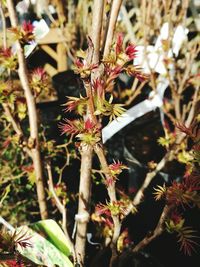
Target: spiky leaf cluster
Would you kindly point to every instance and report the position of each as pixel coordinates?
(185, 234)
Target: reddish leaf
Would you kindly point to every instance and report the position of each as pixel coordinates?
(131, 51)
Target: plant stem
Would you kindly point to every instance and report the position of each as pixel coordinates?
(112, 195)
(116, 4)
(3, 19)
(128, 24)
(149, 177)
(83, 216)
(96, 28)
(111, 27)
(33, 118)
(191, 114)
(61, 207)
(157, 231)
(16, 126)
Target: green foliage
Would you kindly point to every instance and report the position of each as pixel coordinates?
(8, 59)
(106, 108)
(14, 186)
(7, 93)
(175, 226)
(184, 157)
(166, 141)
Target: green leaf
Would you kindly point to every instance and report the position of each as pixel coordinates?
(163, 141)
(184, 157)
(49, 244)
(89, 138)
(32, 178)
(80, 53)
(106, 108)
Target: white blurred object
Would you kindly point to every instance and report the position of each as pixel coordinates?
(22, 7)
(152, 61)
(155, 54)
(40, 29)
(180, 36)
(52, 9)
(197, 3)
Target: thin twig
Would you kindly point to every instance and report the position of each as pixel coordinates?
(111, 27)
(3, 19)
(96, 28)
(61, 207)
(33, 118)
(16, 126)
(157, 231)
(192, 109)
(136, 92)
(83, 216)
(128, 23)
(112, 195)
(149, 177)
(190, 117)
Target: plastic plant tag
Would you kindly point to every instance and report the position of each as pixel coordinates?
(40, 29)
(48, 244)
(28, 49)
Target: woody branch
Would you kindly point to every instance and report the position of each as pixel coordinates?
(33, 118)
